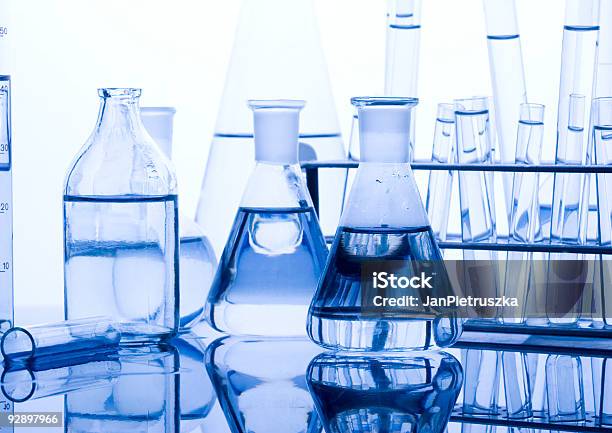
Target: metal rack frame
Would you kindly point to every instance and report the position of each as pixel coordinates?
(479, 330)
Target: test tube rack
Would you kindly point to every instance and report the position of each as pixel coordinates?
(485, 330)
(593, 367)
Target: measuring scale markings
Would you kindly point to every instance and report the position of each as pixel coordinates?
(6, 226)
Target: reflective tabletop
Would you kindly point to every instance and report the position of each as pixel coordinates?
(206, 382)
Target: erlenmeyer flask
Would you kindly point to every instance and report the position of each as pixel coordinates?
(393, 394)
(384, 222)
(276, 251)
(197, 260)
(276, 54)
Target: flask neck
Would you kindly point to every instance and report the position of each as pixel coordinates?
(384, 133)
(277, 129)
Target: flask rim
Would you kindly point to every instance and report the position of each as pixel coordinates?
(365, 101)
(255, 104)
(119, 92)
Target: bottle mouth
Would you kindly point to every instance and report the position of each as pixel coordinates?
(257, 104)
(119, 92)
(366, 101)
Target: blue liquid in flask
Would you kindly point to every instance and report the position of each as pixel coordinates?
(276, 251)
(269, 268)
(384, 222)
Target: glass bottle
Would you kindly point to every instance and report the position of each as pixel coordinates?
(384, 221)
(276, 251)
(121, 226)
(276, 54)
(197, 260)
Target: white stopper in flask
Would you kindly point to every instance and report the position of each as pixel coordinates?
(276, 130)
(384, 128)
(158, 122)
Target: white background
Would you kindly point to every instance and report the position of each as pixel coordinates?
(178, 51)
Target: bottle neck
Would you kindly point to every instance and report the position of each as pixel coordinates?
(118, 113)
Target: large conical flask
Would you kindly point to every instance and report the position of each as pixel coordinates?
(197, 258)
(384, 224)
(276, 54)
(121, 247)
(275, 252)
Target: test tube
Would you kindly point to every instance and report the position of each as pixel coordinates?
(481, 381)
(567, 190)
(578, 68)
(476, 199)
(402, 53)
(441, 182)
(507, 77)
(403, 41)
(81, 371)
(525, 219)
(566, 219)
(564, 388)
(516, 385)
(475, 188)
(20, 344)
(602, 140)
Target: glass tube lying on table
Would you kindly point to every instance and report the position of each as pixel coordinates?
(81, 371)
(20, 344)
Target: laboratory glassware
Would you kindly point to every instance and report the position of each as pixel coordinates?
(197, 261)
(482, 380)
(261, 385)
(602, 140)
(517, 391)
(507, 77)
(83, 370)
(6, 206)
(525, 221)
(143, 397)
(385, 394)
(564, 388)
(276, 252)
(568, 187)
(384, 221)
(475, 188)
(276, 54)
(402, 53)
(441, 182)
(578, 68)
(20, 344)
(197, 396)
(121, 226)
(473, 134)
(566, 217)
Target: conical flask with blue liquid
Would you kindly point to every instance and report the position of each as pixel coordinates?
(276, 251)
(384, 223)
